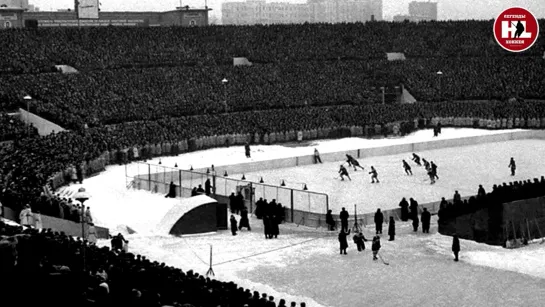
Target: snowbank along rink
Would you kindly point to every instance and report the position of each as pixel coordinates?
(304, 264)
(464, 161)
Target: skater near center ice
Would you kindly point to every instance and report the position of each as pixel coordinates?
(513, 166)
(360, 240)
(416, 159)
(343, 172)
(374, 175)
(317, 158)
(353, 162)
(426, 164)
(407, 168)
(433, 167)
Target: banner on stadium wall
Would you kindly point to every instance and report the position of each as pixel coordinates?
(241, 62)
(87, 9)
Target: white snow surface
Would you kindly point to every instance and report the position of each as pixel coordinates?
(303, 264)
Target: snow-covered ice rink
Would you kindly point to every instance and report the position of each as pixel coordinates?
(303, 264)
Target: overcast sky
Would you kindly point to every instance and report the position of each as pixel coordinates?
(448, 9)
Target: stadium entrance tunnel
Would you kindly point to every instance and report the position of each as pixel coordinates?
(194, 215)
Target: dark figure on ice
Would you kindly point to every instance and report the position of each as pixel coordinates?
(431, 175)
(171, 191)
(392, 229)
(118, 242)
(233, 221)
(342, 240)
(247, 150)
(239, 202)
(407, 168)
(353, 162)
(344, 219)
(244, 221)
(200, 190)
(416, 159)
(414, 208)
(457, 198)
(317, 158)
(455, 246)
(433, 167)
(375, 247)
(379, 219)
(426, 219)
(416, 222)
(513, 166)
(194, 192)
(275, 231)
(374, 175)
(330, 221)
(207, 187)
(343, 172)
(267, 226)
(233, 202)
(520, 29)
(426, 164)
(359, 239)
(404, 209)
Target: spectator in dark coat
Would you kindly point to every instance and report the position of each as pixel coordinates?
(455, 246)
(414, 208)
(404, 209)
(342, 240)
(239, 203)
(200, 190)
(207, 187)
(481, 192)
(244, 221)
(267, 226)
(275, 231)
(391, 229)
(426, 220)
(171, 190)
(330, 221)
(194, 192)
(233, 221)
(379, 219)
(416, 222)
(233, 202)
(344, 220)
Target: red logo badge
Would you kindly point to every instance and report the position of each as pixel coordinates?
(516, 29)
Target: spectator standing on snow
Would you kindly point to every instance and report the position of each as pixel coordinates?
(391, 229)
(455, 246)
(416, 222)
(233, 221)
(344, 219)
(342, 241)
(426, 220)
(329, 220)
(404, 210)
(379, 219)
(244, 221)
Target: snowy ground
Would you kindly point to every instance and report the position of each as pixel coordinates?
(303, 264)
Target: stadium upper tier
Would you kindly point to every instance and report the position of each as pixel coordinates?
(112, 47)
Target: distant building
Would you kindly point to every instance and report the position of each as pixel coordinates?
(331, 11)
(10, 17)
(419, 11)
(15, 3)
(182, 16)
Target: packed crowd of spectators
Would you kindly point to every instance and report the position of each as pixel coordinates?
(113, 47)
(503, 193)
(102, 97)
(52, 265)
(11, 128)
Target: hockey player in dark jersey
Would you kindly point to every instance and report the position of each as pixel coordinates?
(353, 162)
(426, 164)
(433, 168)
(374, 175)
(512, 166)
(343, 172)
(431, 175)
(416, 159)
(407, 168)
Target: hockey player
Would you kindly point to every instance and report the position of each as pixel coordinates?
(433, 167)
(374, 175)
(426, 164)
(353, 162)
(375, 247)
(432, 176)
(343, 172)
(513, 166)
(359, 239)
(416, 159)
(407, 168)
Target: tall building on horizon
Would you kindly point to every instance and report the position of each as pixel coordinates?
(419, 11)
(330, 11)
